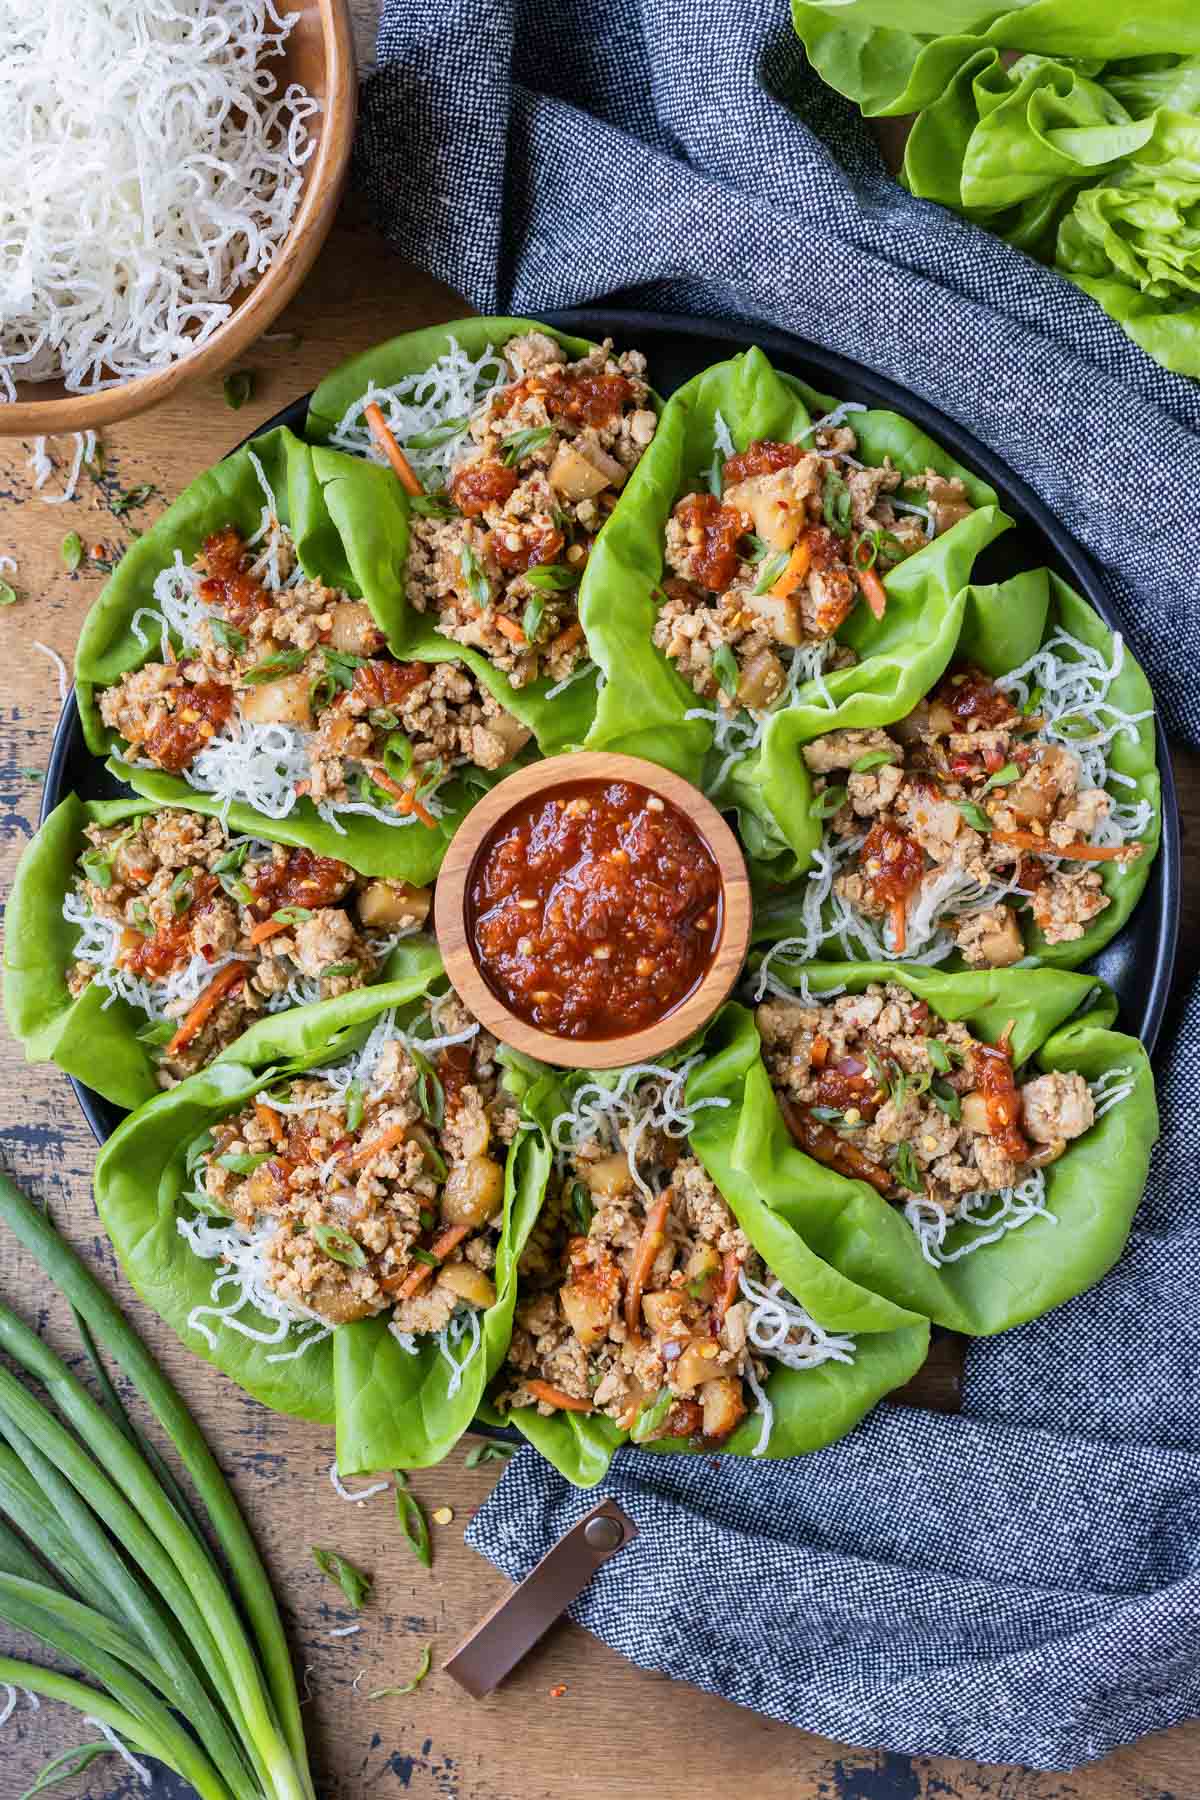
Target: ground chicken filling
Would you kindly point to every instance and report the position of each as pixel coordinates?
(764, 573)
(499, 556)
(953, 805)
(205, 932)
(266, 647)
(637, 1308)
(879, 1088)
(386, 1195)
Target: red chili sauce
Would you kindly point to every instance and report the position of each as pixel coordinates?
(713, 530)
(594, 911)
(762, 457)
(227, 584)
(204, 707)
(971, 695)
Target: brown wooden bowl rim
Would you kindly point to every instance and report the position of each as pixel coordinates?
(61, 413)
(450, 912)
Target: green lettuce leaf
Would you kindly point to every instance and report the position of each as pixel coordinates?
(1092, 1191)
(391, 1409)
(95, 1042)
(1010, 147)
(644, 708)
(855, 45)
(811, 1407)
(999, 627)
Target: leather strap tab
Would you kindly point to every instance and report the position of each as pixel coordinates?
(516, 1622)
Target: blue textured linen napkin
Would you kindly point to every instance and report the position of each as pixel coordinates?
(1021, 1583)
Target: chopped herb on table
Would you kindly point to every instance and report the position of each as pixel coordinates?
(412, 1519)
(354, 1582)
(238, 388)
(407, 1687)
(486, 1453)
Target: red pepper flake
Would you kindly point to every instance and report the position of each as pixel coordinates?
(556, 1693)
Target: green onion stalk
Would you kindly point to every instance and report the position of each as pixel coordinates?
(103, 1557)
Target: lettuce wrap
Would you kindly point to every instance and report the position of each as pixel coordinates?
(392, 1408)
(427, 384)
(809, 1407)
(1059, 1022)
(98, 1036)
(349, 524)
(646, 707)
(999, 629)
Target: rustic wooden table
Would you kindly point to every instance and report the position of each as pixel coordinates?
(555, 1724)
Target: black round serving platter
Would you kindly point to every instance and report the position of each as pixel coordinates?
(1139, 962)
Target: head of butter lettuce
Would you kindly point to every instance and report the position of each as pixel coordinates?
(1060, 1021)
(391, 1409)
(644, 707)
(1079, 149)
(811, 1407)
(350, 525)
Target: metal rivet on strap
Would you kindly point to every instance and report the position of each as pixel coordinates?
(602, 1533)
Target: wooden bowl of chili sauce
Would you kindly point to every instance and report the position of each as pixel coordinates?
(593, 910)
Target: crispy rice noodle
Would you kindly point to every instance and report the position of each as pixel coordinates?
(427, 412)
(355, 1494)
(650, 1098)
(175, 105)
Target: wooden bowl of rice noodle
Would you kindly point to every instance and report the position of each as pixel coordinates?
(318, 57)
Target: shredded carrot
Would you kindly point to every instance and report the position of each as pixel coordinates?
(382, 779)
(510, 629)
(213, 994)
(406, 800)
(899, 917)
(647, 1250)
(797, 567)
(409, 803)
(271, 1123)
(552, 1396)
(266, 928)
(731, 1269)
(818, 1054)
(567, 638)
(378, 428)
(1026, 840)
(441, 1247)
(387, 1140)
(873, 590)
